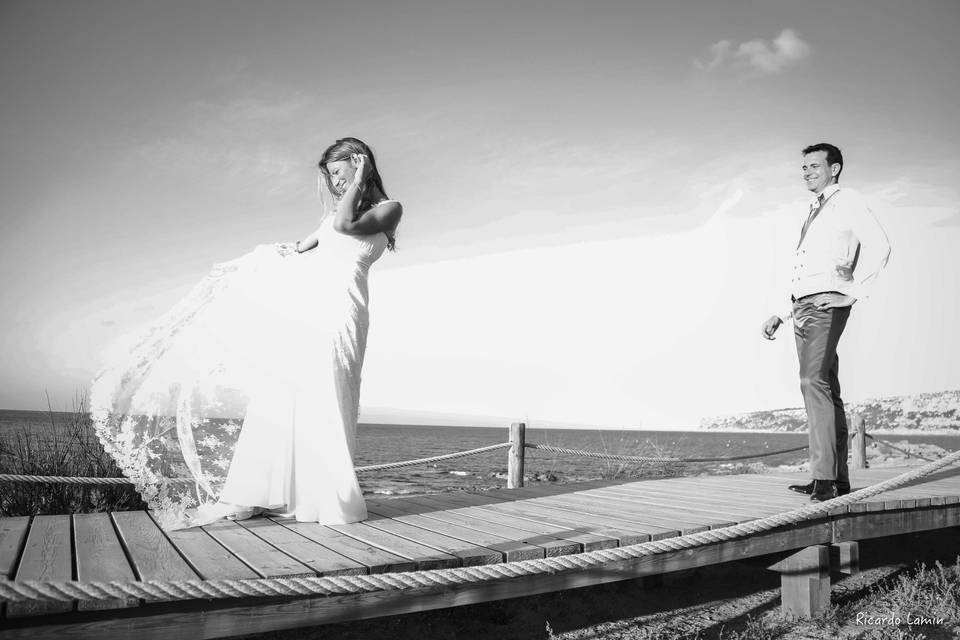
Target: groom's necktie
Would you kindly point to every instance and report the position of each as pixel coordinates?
(815, 207)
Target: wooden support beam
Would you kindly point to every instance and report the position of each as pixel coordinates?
(649, 582)
(804, 582)
(859, 442)
(860, 526)
(845, 558)
(515, 457)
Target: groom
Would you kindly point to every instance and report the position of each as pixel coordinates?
(841, 249)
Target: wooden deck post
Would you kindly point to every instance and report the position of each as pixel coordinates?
(859, 442)
(804, 582)
(515, 455)
(845, 557)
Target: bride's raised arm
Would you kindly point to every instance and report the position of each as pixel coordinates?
(383, 217)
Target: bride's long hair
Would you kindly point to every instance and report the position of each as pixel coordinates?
(342, 149)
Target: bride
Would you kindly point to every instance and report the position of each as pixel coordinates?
(243, 398)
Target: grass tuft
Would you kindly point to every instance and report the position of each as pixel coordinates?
(69, 447)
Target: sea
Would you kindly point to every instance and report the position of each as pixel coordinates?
(380, 443)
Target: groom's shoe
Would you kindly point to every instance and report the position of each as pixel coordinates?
(842, 489)
(823, 490)
(802, 488)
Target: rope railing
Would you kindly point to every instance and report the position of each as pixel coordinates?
(515, 462)
(625, 458)
(74, 480)
(152, 590)
(446, 456)
(884, 443)
(32, 479)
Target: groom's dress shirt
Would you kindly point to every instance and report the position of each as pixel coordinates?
(841, 247)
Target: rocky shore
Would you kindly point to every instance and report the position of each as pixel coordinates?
(924, 413)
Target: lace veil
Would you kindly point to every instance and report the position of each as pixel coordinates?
(169, 401)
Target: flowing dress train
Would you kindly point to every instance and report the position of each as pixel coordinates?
(247, 391)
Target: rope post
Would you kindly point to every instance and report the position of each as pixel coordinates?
(859, 442)
(515, 456)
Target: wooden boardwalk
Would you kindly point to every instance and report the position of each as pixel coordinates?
(428, 532)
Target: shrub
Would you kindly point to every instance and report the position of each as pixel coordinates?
(68, 446)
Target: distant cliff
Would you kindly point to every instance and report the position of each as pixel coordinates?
(938, 411)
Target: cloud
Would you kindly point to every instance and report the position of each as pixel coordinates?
(760, 56)
(240, 143)
(720, 51)
(950, 221)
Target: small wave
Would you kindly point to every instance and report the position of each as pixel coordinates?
(459, 473)
(390, 492)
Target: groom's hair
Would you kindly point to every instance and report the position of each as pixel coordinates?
(833, 154)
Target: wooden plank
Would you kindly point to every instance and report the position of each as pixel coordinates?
(929, 495)
(917, 494)
(13, 534)
(587, 540)
(664, 511)
(208, 557)
(151, 554)
(478, 521)
(876, 503)
(920, 495)
(375, 559)
(755, 486)
(46, 556)
(610, 523)
(727, 498)
(752, 486)
(469, 554)
(722, 506)
(320, 559)
(585, 504)
(731, 497)
(99, 556)
(255, 552)
(509, 549)
(758, 485)
(944, 482)
(482, 520)
(622, 533)
(655, 527)
(422, 556)
(213, 621)
(696, 501)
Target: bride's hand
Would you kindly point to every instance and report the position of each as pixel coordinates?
(362, 169)
(286, 248)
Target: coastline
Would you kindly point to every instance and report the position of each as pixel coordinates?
(879, 432)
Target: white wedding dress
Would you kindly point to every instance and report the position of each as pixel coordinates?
(247, 391)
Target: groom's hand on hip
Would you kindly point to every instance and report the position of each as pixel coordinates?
(836, 301)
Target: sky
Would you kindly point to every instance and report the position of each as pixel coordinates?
(600, 198)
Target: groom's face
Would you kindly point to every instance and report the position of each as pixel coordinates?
(817, 174)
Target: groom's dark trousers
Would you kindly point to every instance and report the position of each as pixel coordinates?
(817, 333)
